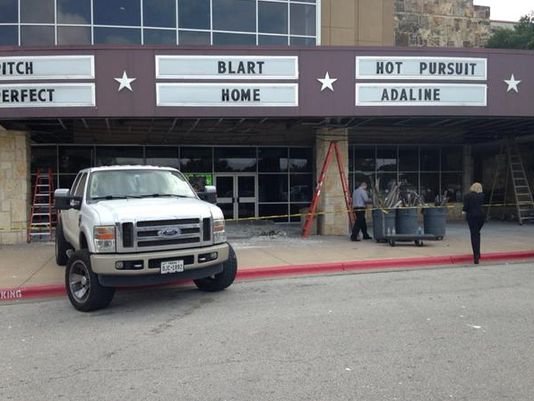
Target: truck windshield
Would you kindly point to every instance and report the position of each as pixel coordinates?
(121, 184)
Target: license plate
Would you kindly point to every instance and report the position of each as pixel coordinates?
(172, 266)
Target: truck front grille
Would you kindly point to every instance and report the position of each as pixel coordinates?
(165, 234)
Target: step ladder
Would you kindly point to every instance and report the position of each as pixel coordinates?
(523, 196)
(43, 216)
(332, 148)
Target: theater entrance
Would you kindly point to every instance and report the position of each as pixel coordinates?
(237, 195)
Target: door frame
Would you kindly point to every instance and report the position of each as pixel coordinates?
(235, 197)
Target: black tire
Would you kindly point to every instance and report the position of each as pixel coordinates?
(83, 289)
(61, 246)
(222, 280)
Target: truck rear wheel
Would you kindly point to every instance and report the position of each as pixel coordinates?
(61, 246)
(83, 289)
(222, 280)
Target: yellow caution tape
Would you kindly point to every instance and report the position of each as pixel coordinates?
(18, 228)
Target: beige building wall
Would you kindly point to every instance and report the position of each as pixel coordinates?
(14, 186)
(357, 23)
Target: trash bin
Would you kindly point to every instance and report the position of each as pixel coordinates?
(406, 221)
(383, 222)
(435, 221)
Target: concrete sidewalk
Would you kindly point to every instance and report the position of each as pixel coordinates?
(271, 250)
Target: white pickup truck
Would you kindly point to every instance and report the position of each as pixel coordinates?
(137, 225)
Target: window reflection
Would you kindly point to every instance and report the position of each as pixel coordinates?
(197, 160)
(274, 209)
(297, 41)
(364, 159)
(162, 156)
(272, 159)
(73, 35)
(301, 188)
(272, 17)
(117, 35)
(408, 159)
(117, 12)
(9, 11)
(159, 13)
(234, 39)
(194, 38)
(301, 159)
(235, 159)
(194, 14)
(74, 158)
(37, 11)
(43, 157)
(302, 19)
(9, 35)
(114, 155)
(430, 159)
(37, 35)
(272, 187)
(74, 11)
(272, 40)
(234, 15)
(429, 185)
(159, 37)
(270, 23)
(451, 158)
(386, 159)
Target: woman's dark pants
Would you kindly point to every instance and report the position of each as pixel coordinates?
(475, 224)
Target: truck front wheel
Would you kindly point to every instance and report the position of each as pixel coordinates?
(83, 289)
(222, 280)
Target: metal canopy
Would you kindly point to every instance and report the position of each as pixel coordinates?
(280, 131)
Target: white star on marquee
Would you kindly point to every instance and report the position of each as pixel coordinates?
(125, 82)
(327, 82)
(512, 84)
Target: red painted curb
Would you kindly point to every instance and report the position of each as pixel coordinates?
(54, 290)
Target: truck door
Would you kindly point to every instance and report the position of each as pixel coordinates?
(71, 216)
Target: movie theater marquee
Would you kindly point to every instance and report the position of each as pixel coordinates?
(466, 72)
(279, 70)
(31, 93)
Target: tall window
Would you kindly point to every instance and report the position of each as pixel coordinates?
(168, 22)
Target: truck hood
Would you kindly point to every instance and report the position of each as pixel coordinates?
(132, 210)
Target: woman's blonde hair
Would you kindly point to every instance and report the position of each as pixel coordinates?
(476, 187)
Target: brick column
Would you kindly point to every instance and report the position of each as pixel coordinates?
(14, 186)
(334, 221)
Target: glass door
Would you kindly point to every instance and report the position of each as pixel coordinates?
(237, 195)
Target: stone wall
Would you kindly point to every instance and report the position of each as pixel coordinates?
(334, 218)
(441, 23)
(14, 186)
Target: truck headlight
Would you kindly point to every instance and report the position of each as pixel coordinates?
(219, 235)
(104, 237)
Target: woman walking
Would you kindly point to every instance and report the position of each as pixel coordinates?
(473, 202)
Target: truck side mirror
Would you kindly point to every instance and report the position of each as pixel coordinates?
(209, 194)
(64, 201)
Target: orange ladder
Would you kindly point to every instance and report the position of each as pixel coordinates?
(43, 214)
(332, 148)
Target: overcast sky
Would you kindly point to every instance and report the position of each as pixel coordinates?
(507, 10)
